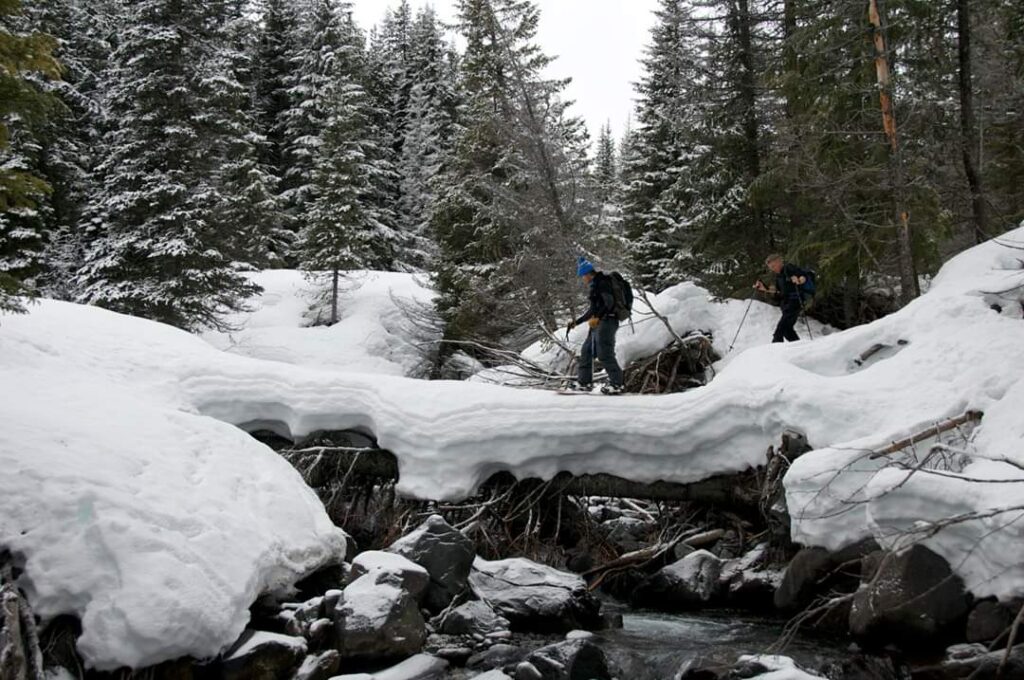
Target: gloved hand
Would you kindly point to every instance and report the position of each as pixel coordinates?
(593, 322)
(569, 326)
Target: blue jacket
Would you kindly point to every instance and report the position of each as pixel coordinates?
(602, 299)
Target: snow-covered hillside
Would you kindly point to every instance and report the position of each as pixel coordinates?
(965, 351)
(373, 335)
(130, 492)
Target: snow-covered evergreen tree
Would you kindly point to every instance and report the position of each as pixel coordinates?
(24, 107)
(506, 220)
(342, 226)
(657, 169)
(276, 70)
(161, 252)
(249, 212)
(606, 164)
(427, 138)
(310, 92)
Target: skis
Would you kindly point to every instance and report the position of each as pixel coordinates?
(596, 393)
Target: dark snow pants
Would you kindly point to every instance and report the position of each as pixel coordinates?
(600, 342)
(786, 330)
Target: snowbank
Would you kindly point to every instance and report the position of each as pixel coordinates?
(687, 307)
(130, 457)
(373, 335)
(155, 525)
(965, 340)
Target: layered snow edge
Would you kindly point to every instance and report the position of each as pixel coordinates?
(130, 484)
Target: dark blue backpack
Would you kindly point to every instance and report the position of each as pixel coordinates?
(809, 287)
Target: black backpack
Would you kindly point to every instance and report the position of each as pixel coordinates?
(622, 293)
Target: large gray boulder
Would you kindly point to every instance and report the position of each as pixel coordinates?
(987, 621)
(816, 571)
(376, 620)
(321, 666)
(534, 597)
(411, 577)
(569, 660)
(475, 617)
(445, 553)
(913, 601)
(496, 657)
(689, 583)
(803, 578)
(258, 655)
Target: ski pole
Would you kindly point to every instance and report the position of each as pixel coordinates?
(742, 321)
(803, 310)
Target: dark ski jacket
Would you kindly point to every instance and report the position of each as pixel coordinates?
(785, 289)
(602, 299)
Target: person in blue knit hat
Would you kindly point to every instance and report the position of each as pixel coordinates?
(604, 324)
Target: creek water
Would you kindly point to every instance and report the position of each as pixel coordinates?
(653, 645)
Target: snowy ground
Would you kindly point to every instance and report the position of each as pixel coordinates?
(155, 525)
(131, 492)
(374, 334)
(962, 354)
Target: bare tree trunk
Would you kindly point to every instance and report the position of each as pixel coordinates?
(748, 98)
(968, 124)
(790, 59)
(334, 296)
(908, 272)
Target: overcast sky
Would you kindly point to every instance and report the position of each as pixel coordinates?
(598, 44)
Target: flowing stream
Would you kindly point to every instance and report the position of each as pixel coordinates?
(653, 645)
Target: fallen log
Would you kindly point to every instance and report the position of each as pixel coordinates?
(937, 429)
(325, 465)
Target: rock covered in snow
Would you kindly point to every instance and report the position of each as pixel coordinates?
(409, 576)
(492, 675)
(691, 582)
(535, 597)
(748, 582)
(913, 600)
(263, 656)
(378, 621)
(418, 667)
(445, 553)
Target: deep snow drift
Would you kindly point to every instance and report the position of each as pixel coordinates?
(102, 422)
(374, 333)
(965, 351)
(155, 525)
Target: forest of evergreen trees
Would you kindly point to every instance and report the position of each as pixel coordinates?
(173, 145)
